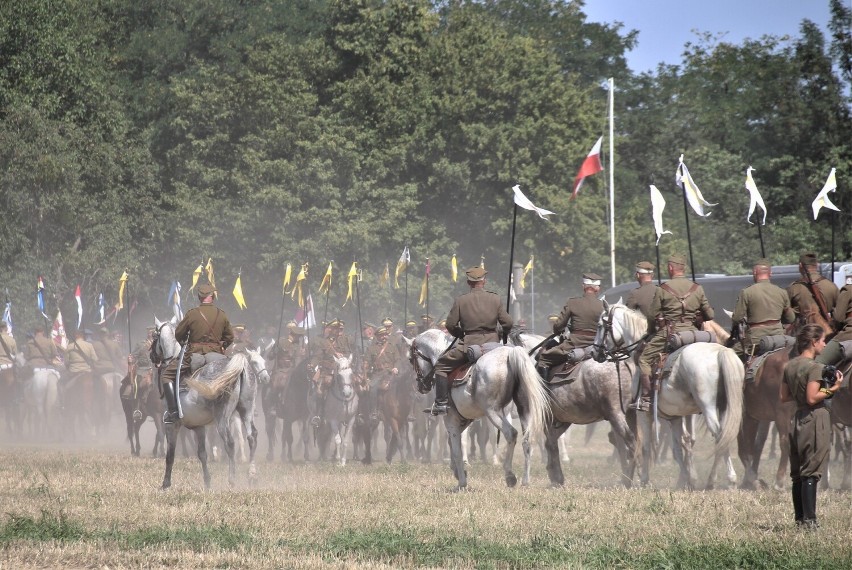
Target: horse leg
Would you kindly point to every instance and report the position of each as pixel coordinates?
(455, 426)
(679, 452)
(504, 424)
(746, 443)
(171, 439)
(201, 444)
(552, 433)
(645, 441)
(783, 427)
(270, 437)
(392, 426)
(846, 448)
(223, 427)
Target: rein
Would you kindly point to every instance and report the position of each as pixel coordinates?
(414, 356)
(618, 353)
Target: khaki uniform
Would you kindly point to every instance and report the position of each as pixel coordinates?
(7, 361)
(110, 356)
(80, 357)
(765, 308)
(381, 358)
(342, 344)
(142, 355)
(287, 352)
(842, 315)
(322, 359)
(41, 352)
(473, 319)
(580, 316)
(641, 298)
(802, 300)
(674, 316)
(209, 331)
(811, 436)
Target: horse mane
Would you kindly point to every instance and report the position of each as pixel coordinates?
(221, 383)
(635, 323)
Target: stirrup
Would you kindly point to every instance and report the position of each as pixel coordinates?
(641, 405)
(137, 415)
(315, 421)
(437, 409)
(169, 417)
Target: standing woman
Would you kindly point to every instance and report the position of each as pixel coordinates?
(810, 438)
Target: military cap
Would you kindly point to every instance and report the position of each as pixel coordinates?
(335, 324)
(340, 322)
(369, 326)
(411, 324)
(291, 325)
(645, 267)
(442, 323)
(426, 317)
(476, 274)
(591, 279)
(677, 259)
(205, 290)
(239, 327)
(381, 331)
(808, 259)
(387, 321)
(297, 331)
(763, 262)
(552, 317)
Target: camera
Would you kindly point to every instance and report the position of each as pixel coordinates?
(828, 377)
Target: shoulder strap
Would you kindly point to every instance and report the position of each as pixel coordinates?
(682, 299)
(41, 350)
(209, 334)
(84, 355)
(818, 298)
(6, 348)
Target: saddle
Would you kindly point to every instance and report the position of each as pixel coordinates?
(755, 362)
(663, 368)
(461, 374)
(568, 371)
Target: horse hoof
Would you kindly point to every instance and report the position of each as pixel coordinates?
(511, 480)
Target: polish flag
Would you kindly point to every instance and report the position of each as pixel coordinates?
(592, 165)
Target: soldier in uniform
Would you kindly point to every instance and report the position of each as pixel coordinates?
(10, 390)
(812, 294)
(473, 320)
(140, 365)
(679, 304)
(764, 307)
(323, 364)
(426, 322)
(579, 317)
(242, 340)
(80, 360)
(208, 331)
(395, 337)
(110, 356)
(411, 330)
(842, 314)
(380, 362)
(41, 352)
(368, 333)
(343, 345)
(810, 440)
(640, 299)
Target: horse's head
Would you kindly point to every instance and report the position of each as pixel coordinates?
(343, 375)
(164, 346)
(423, 352)
(620, 330)
(258, 365)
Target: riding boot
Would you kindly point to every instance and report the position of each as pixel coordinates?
(643, 402)
(442, 396)
(170, 416)
(809, 495)
(797, 502)
(542, 371)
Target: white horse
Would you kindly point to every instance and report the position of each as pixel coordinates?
(216, 392)
(341, 406)
(500, 376)
(705, 378)
(41, 403)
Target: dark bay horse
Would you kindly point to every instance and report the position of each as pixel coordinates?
(142, 402)
(289, 405)
(395, 400)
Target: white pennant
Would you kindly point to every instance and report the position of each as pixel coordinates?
(822, 201)
(693, 195)
(526, 204)
(755, 198)
(658, 204)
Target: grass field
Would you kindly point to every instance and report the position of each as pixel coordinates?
(100, 508)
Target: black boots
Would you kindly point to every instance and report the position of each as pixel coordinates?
(797, 502)
(809, 494)
(643, 402)
(442, 396)
(170, 416)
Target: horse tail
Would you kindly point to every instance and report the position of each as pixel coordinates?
(538, 403)
(221, 383)
(731, 369)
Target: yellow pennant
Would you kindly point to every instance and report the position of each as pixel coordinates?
(196, 274)
(454, 268)
(210, 277)
(401, 265)
(122, 281)
(527, 269)
(326, 279)
(352, 276)
(238, 293)
(287, 273)
(424, 287)
(385, 277)
(297, 288)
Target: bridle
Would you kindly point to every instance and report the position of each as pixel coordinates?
(620, 352)
(338, 385)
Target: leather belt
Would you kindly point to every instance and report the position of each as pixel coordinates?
(481, 331)
(765, 323)
(584, 332)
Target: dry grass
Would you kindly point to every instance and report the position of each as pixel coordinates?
(103, 509)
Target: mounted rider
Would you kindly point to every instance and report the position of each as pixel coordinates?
(842, 313)
(242, 340)
(8, 375)
(641, 298)
(579, 317)
(323, 352)
(763, 307)
(473, 320)
(81, 361)
(111, 358)
(141, 369)
(41, 352)
(812, 294)
(679, 305)
(380, 365)
(208, 332)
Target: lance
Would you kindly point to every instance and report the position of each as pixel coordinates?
(763, 249)
(427, 286)
(511, 258)
(358, 305)
(280, 321)
(405, 303)
(129, 310)
(688, 234)
(833, 224)
(327, 289)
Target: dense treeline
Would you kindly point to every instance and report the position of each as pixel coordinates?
(153, 135)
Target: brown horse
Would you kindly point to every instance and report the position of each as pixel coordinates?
(394, 404)
(140, 401)
(841, 413)
(10, 400)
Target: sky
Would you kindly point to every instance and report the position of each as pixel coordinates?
(666, 25)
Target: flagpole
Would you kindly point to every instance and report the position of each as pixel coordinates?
(127, 290)
(511, 258)
(833, 224)
(358, 305)
(688, 235)
(327, 289)
(612, 178)
(427, 286)
(281, 323)
(405, 301)
(532, 297)
(659, 269)
(760, 236)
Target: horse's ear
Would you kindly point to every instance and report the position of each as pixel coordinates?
(407, 341)
(173, 320)
(157, 322)
(605, 304)
(620, 301)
